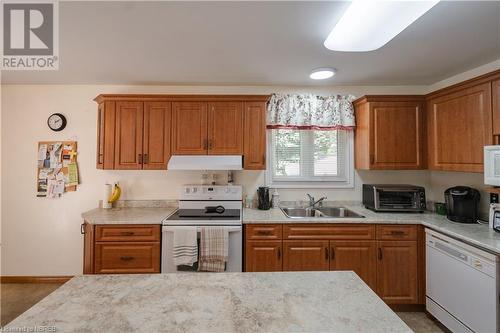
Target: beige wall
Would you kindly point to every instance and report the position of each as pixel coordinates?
(42, 236)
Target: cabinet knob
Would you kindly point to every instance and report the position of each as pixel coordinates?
(127, 258)
(127, 233)
(145, 159)
(264, 233)
(279, 253)
(326, 253)
(379, 253)
(139, 158)
(397, 232)
(333, 253)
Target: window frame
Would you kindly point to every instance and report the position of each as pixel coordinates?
(342, 183)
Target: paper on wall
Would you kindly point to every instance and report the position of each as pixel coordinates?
(42, 152)
(72, 174)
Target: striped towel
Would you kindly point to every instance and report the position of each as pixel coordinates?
(185, 246)
(213, 249)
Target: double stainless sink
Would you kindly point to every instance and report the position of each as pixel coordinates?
(320, 212)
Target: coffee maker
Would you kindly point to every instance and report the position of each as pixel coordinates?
(264, 198)
(462, 204)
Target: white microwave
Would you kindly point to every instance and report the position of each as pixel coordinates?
(492, 165)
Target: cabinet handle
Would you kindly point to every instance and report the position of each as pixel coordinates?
(333, 253)
(279, 253)
(127, 258)
(145, 159)
(101, 158)
(379, 253)
(326, 253)
(139, 158)
(397, 232)
(372, 159)
(205, 144)
(82, 229)
(210, 144)
(127, 233)
(264, 233)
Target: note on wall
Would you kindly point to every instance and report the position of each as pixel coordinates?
(57, 168)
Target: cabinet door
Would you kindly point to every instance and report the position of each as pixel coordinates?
(357, 256)
(254, 140)
(263, 256)
(225, 128)
(88, 248)
(397, 272)
(128, 138)
(306, 256)
(157, 126)
(396, 135)
(495, 90)
(106, 121)
(459, 125)
(189, 128)
(100, 137)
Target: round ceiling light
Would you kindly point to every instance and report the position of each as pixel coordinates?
(322, 73)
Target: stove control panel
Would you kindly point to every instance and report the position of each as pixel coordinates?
(211, 192)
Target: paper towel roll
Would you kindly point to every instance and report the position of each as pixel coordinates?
(105, 196)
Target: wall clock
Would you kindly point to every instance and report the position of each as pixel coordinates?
(57, 122)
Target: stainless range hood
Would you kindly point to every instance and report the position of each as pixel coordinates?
(205, 162)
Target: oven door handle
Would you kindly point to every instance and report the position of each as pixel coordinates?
(198, 229)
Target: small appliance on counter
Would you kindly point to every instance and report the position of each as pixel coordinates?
(263, 197)
(495, 216)
(394, 197)
(462, 204)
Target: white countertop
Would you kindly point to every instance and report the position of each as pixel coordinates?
(214, 302)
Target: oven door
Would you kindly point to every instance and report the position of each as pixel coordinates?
(397, 199)
(492, 165)
(234, 262)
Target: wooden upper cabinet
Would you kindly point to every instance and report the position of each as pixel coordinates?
(397, 272)
(100, 137)
(263, 256)
(225, 128)
(189, 128)
(254, 140)
(157, 124)
(459, 125)
(390, 132)
(306, 255)
(128, 137)
(357, 256)
(495, 92)
(105, 153)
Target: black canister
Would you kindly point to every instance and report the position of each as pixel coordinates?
(264, 199)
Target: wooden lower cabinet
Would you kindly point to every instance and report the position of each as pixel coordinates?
(397, 281)
(386, 257)
(121, 249)
(306, 255)
(263, 256)
(357, 256)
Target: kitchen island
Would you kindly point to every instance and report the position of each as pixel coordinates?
(214, 302)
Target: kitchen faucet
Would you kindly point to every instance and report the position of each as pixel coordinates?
(313, 203)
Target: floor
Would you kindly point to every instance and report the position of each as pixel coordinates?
(16, 298)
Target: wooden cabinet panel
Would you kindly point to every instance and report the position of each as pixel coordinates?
(459, 125)
(263, 231)
(321, 231)
(254, 140)
(495, 91)
(263, 256)
(128, 233)
(100, 137)
(390, 132)
(157, 127)
(397, 232)
(397, 272)
(128, 138)
(397, 135)
(357, 256)
(122, 257)
(306, 256)
(106, 118)
(88, 248)
(225, 128)
(189, 128)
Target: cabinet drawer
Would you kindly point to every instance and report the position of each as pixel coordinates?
(318, 231)
(397, 232)
(127, 233)
(263, 231)
(127, 258)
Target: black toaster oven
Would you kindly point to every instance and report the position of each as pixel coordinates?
(394, 197)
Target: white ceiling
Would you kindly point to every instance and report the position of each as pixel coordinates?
(257, 43)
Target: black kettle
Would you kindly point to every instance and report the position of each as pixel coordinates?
(264, 199)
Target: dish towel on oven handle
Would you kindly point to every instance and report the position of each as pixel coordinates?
(214, 244)
(185, 247)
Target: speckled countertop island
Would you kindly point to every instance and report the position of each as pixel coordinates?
(220, 302)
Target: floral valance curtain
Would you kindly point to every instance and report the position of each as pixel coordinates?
(308, 111)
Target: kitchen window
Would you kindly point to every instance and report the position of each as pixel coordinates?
(310, 158)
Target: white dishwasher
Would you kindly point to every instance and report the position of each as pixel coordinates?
(462, 288)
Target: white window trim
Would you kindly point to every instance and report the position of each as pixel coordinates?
(344, 184)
